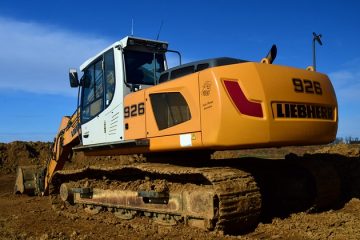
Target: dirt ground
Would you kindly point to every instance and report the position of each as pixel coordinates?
(24, 217)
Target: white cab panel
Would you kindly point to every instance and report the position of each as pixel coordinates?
(108, 126)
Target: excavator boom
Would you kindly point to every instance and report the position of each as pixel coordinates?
(36, 179)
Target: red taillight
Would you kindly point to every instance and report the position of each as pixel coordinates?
(241, 102)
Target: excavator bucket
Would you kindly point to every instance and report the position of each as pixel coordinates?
(29, 180)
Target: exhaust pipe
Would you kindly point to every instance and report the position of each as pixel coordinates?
(270, 57)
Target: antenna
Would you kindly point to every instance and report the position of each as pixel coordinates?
(158, 35)
(132, 27)
(317, 39)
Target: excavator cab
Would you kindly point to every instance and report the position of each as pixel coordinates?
(125, 67)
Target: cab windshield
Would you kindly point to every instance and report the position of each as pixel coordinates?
(143, 67)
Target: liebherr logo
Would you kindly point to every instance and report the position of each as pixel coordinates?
(296, 110)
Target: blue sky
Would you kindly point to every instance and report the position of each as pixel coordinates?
(41, 40)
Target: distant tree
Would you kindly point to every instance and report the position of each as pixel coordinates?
(351, 140)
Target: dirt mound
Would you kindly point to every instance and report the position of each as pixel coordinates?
(22, 153)
(79, 160)
(332, 224)
(280, 152)
(349, 150)
(37, 153)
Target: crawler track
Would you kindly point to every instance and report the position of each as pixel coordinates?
(219, 198)
(230, 195)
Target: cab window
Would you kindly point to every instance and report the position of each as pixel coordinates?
(93, 92)
(109, 70)
(140, 67)
(99, 86)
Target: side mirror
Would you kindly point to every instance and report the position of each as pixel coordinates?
(73, 77)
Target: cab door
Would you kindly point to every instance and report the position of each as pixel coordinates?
(92, 104)
(102, 100)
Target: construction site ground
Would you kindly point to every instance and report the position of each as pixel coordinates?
(25, 217)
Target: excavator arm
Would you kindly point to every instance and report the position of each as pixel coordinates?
(36, 179)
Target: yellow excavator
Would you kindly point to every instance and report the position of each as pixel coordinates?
(130, 102)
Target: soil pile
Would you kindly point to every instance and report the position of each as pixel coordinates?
(38, 153)
(79, 160)
(332, 224)
(22, 153)
(349, 150)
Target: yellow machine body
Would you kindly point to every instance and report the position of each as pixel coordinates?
(243, 105)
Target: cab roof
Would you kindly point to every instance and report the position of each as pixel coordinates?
(123, 43)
